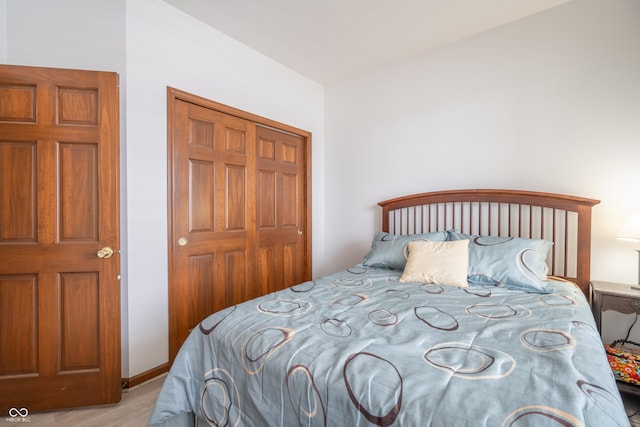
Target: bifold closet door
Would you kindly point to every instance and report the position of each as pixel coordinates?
(211, 214)
(239, 210)
(280, 203)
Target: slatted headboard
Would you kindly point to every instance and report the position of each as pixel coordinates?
(564, 220)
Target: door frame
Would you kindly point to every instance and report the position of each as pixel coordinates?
(174, 95)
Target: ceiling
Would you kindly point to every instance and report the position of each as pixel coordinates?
(329, 40)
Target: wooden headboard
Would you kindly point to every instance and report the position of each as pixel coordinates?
(564, 220)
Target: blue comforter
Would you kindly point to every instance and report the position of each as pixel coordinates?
(358, 348)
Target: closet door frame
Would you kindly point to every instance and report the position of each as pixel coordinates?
(177, 317)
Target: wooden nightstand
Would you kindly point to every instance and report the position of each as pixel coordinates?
(618, 297)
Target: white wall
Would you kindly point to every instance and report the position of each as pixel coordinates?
(548, 103)
(3, 31)
(81, 34)
(163, 47)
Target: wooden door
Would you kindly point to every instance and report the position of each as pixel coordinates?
(280, 204)
(59, 205)
(209, 263)
(218, 254)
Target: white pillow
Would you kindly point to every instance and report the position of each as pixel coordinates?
(443, 263)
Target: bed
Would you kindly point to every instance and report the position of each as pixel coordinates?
(468, 310)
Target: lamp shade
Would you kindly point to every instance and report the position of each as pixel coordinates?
(631, 229)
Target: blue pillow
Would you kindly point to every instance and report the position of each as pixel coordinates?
(390, 250)
(511, 262)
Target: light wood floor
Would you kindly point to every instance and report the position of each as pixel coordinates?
(133, 410)
(137, 403)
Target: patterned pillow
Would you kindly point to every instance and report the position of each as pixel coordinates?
(390, 250)
(511, 262)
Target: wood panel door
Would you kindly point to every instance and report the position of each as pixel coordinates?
(280, 209)
(209, 255)
(59, 206)
(236, 231)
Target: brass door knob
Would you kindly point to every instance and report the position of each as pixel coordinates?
(105, 252)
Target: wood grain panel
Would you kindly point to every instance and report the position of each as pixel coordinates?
(201, 199)
(236, 288)
(77, 106)
(18, 192)
(235, 141)
(290, 261)
(236, 197)
(18, 103)
(201, 287)
(266, 199)
(289, 153)
(289, 198)
(79, 321)
(78, 192)
(267, 148)
(19, 308)
(267, 269)
(201, 133)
